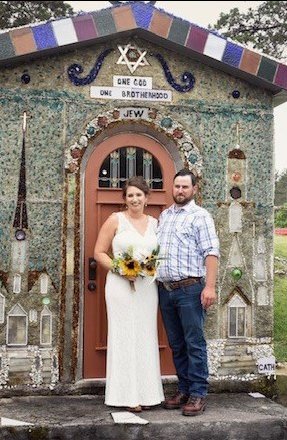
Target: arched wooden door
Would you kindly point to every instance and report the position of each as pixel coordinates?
(115, 159)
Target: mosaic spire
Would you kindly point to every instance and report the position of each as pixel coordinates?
(20, 218)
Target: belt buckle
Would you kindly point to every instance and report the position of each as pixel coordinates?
(167, 286)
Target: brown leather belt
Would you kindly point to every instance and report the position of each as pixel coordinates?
(172, 285)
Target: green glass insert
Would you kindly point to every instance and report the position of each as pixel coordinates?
(236, 273)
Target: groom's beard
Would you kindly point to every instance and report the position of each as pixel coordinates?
(181, 199)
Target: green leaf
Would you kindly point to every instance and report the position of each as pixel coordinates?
(15, 13)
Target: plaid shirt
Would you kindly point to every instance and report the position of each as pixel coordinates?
(186, 236)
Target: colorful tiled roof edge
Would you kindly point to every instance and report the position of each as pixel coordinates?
(90, 26)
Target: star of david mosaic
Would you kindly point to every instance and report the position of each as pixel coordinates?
(132, 57)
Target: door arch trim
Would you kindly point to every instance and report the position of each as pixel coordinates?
(135, 128)
(166, 130)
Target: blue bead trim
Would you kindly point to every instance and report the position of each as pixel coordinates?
(186, 77)
(76, 69)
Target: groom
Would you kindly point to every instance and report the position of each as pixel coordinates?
(187, 277)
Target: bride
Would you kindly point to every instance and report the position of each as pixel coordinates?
(133, 378)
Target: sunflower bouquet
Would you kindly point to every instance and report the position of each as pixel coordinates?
(135, 264)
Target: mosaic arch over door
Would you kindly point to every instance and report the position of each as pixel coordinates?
(115, 159)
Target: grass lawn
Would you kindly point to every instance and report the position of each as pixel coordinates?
(280, 246)
(280, 300)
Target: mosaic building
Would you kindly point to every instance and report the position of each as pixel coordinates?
(88, 101)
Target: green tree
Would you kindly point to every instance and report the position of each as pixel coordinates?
(280, 188)
(264, 27)
(13, 14)
(281, 217)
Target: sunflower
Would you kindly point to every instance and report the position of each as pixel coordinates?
(149, 265)
(150, 269)
(130, 267)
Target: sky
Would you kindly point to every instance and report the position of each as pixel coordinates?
(204, 13)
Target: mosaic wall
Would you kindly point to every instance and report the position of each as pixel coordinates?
(223, 129)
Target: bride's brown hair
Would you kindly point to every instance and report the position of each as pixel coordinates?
(138, 182)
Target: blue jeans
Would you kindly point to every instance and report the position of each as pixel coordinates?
(183, 317)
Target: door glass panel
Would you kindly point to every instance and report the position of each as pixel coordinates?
(127, 162)
(115, 167)
(131, 161)
(241, 321)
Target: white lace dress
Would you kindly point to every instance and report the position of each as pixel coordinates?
(133, 369)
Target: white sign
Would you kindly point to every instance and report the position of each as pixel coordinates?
(136, 82)
(134, 112)
(129, 94)
(266, 365)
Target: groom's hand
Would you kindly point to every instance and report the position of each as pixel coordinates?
(208, 297)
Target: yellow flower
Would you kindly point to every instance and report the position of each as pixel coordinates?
(126, 265)
(150, 265)
(150, 270)
(130, 268)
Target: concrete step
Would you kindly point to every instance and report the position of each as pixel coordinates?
(228, 416)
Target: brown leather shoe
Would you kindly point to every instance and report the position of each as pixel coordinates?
(194, 406)
(134, 409)
(175, 401)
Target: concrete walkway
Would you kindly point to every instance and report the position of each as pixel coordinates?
(227, 417)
